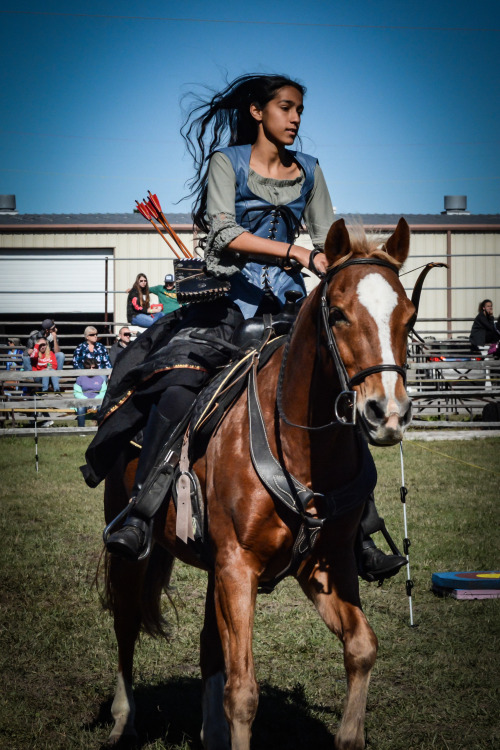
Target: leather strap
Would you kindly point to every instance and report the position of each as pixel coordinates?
(184, 520)
(273, 475)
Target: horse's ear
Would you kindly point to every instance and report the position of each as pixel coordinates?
(337, 243)
(398, 244)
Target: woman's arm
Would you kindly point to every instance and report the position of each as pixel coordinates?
(318, 214)
(221, 208)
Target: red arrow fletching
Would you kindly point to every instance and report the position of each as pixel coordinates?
(154, 200)
(152, 209)
(144, 210)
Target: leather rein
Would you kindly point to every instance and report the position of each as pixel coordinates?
(347, 396)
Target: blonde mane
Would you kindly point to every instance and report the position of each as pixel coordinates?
(364, 247)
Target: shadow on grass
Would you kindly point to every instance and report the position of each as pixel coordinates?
(171, 712)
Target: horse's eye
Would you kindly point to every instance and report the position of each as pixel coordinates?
(336, 316)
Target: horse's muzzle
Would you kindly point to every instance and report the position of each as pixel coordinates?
(384, 422)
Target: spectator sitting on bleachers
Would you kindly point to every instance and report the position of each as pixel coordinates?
(42, 360)
(166, 294)
(49, 333)
(122, 341)
(139, 309)
(484, 331)
(88, 386)
(16, 354)
(90, 348)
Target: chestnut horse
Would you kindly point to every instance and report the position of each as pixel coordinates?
(360, 313)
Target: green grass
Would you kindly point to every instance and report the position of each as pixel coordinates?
(433, 686)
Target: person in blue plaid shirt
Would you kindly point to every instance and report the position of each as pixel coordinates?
(91, 348)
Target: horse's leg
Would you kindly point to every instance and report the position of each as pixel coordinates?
(126, 581)
(334, 590)
(215, 729)
(235, 595)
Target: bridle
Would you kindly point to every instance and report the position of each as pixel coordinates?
(346, 400)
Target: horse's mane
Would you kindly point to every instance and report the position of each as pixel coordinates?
(365, 247)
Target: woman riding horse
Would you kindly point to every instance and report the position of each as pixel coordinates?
(251, 201)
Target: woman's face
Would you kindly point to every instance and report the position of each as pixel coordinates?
(92, 337)
(280, 117)
(488, 308)
(142, 282)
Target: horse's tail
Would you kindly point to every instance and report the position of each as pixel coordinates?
(133, 589)
(143, 588)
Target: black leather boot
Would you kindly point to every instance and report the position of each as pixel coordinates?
(375, 565)
(153, 478)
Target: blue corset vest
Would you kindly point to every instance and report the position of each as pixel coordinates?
(264, 219)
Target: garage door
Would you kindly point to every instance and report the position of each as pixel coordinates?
(56, 281)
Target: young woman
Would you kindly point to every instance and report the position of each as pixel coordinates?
(139, 311)
(251, 195)
(43, 359)
(484, 330)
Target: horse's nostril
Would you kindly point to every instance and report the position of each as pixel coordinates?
(373, 412)
(408, 414)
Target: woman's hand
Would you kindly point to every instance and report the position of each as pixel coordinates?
(302, 255)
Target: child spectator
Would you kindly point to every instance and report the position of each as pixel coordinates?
(88, 386)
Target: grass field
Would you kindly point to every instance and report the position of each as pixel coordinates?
(433, 686)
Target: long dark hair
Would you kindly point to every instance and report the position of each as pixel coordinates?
(142, 294)
(481, 309)
(225, 120)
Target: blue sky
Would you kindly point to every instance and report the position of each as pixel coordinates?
(402, 105)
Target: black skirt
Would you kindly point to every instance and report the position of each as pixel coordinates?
(163, 355)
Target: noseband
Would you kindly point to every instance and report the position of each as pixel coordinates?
(347, 397)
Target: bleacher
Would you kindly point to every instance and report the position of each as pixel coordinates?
(454, 391)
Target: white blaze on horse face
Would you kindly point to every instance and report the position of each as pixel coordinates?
(380, 299)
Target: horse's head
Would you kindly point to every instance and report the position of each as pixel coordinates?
(370, 317)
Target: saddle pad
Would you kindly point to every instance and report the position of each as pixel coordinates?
(468, 580)
(220, 393)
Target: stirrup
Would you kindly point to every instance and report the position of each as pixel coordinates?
(147, 531)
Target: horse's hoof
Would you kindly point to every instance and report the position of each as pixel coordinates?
(122, 740)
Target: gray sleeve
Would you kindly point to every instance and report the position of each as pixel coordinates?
(221, 197)
(318, 214)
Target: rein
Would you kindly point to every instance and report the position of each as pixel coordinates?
(346, 400)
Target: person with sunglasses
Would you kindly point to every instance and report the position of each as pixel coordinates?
(121, 343)
(45, 360)
(92, 348)
(49, 333)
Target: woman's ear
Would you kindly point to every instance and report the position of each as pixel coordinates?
(256, 112)
(337, 243)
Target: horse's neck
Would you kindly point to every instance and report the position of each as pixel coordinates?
(310, 387)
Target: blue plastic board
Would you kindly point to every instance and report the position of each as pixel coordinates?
(475, 579)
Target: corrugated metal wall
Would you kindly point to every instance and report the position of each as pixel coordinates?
(475, 267)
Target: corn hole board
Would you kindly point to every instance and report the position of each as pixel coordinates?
(475, 584)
